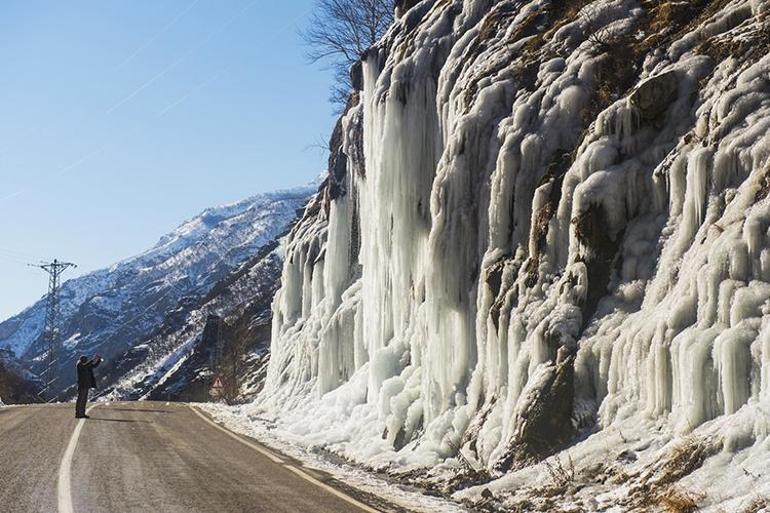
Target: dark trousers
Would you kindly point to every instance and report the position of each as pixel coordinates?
(80, 404)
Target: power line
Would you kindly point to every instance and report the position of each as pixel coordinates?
(214, 33)
(211, 35)
(52, 331)
(158, 34)
(20, 255)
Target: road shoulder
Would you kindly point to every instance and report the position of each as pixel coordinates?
(366, 501)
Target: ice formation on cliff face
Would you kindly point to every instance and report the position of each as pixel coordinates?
(543, 219)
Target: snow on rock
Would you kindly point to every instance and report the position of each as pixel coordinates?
(518, 180)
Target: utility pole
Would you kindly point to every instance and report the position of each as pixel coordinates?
(52, 320)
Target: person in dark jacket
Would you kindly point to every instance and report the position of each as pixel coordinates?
(86, 381)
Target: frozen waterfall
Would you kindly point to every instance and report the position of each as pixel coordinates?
(533, 209)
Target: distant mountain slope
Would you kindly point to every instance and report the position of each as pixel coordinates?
(226, 334)
(17, 385)
(111, 310)
(175, 362)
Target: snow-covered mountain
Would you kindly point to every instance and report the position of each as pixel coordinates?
(542, 265)
(111, 310)
(176, 361)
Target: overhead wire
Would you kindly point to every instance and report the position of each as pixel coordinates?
(148, 83)
(211, 35)
(138, 50)
(181, 14)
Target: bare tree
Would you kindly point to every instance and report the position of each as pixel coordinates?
(340, 31)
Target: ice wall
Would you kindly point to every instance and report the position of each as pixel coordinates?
(540, 216)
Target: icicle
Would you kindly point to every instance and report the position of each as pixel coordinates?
(437, 293)
(698, 166)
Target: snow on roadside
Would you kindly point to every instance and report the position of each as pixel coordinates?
(615, 470)
(240, 420)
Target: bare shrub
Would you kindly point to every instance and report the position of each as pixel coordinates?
(600, 32)
(562, 474)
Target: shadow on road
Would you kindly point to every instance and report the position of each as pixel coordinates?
(119, 420)
(141, 410)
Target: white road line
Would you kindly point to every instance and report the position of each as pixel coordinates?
(273, 457)
(64, 488)
(320, 484)
(304, 475)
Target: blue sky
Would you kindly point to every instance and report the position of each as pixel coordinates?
(123, 118)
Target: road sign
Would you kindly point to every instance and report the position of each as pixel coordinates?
(217, 387)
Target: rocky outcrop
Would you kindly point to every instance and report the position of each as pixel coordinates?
(543, 418)
(655, 95)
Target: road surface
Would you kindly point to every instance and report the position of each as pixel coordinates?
(160, 457)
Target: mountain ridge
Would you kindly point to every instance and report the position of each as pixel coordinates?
(110, 309)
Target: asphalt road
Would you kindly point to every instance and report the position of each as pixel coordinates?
(151, 457)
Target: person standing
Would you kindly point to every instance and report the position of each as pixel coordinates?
(86, 381)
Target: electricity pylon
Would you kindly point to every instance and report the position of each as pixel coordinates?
(52, 323)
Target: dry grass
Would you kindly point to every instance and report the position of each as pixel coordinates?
(756, 505)
(670, 20)
(563, 12)
(666, 17)
(685, 458)
(492, 27)
(750, 47)
(679, 501)
(655, 489)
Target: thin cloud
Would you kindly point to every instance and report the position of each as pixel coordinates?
(181, 14)
(62, 171)
(11, 195)
(145, 85)
(211, 35)
(82, 160)
(191, 92)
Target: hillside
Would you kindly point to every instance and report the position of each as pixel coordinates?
(112, 310)
(539, 279)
